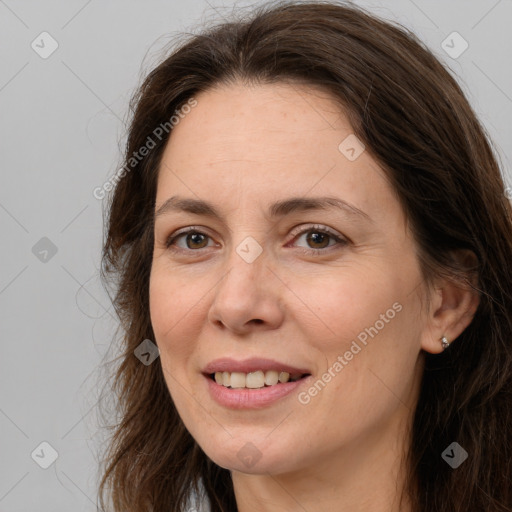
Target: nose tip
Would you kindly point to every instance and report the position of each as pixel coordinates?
(244, 301)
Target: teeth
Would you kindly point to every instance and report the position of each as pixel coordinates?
(284, 377)
(271, 378)
(238, 380)
(254, 380)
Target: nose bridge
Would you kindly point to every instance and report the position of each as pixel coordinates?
(245, 293)
(246, 266)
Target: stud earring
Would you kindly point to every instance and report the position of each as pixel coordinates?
(445, 342)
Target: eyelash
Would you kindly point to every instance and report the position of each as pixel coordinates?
(313, 229)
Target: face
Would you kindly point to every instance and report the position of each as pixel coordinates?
(262, 289)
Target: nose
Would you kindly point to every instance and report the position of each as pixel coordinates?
(247, 297)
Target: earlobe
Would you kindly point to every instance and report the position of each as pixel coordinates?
(453, 309)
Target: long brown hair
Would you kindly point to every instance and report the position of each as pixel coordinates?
(414, 119)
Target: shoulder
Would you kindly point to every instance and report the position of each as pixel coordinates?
(198, 502)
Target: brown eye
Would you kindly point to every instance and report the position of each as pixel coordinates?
(317, 239)
(193, 240)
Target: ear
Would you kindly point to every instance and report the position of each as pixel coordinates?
(453, 306)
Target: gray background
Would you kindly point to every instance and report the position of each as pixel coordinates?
(61, 126)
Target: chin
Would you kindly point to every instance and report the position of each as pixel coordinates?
(255, 458)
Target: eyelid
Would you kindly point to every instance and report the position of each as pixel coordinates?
(189, 229)
(320, 227)
(341, 241)
(299, 230)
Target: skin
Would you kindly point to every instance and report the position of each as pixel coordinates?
(242, 148)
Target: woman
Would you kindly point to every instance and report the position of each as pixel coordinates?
(313, 230)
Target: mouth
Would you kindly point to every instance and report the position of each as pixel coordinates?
(255, 380)
(254, 373)
(254, 383)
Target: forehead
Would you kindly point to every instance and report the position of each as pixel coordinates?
(267, 141)
(258, 122)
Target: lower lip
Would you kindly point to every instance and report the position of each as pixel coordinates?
(244, 398)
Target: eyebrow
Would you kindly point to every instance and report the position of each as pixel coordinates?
(277, 209)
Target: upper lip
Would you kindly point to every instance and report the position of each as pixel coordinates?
(254, 364)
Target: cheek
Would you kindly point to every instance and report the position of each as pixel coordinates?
(176, 312)
(377, 328)
(343, 304)
(366, 318)
(172, 314)
(172, 319)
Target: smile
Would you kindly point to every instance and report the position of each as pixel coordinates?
(254, 380)
(252, 383)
